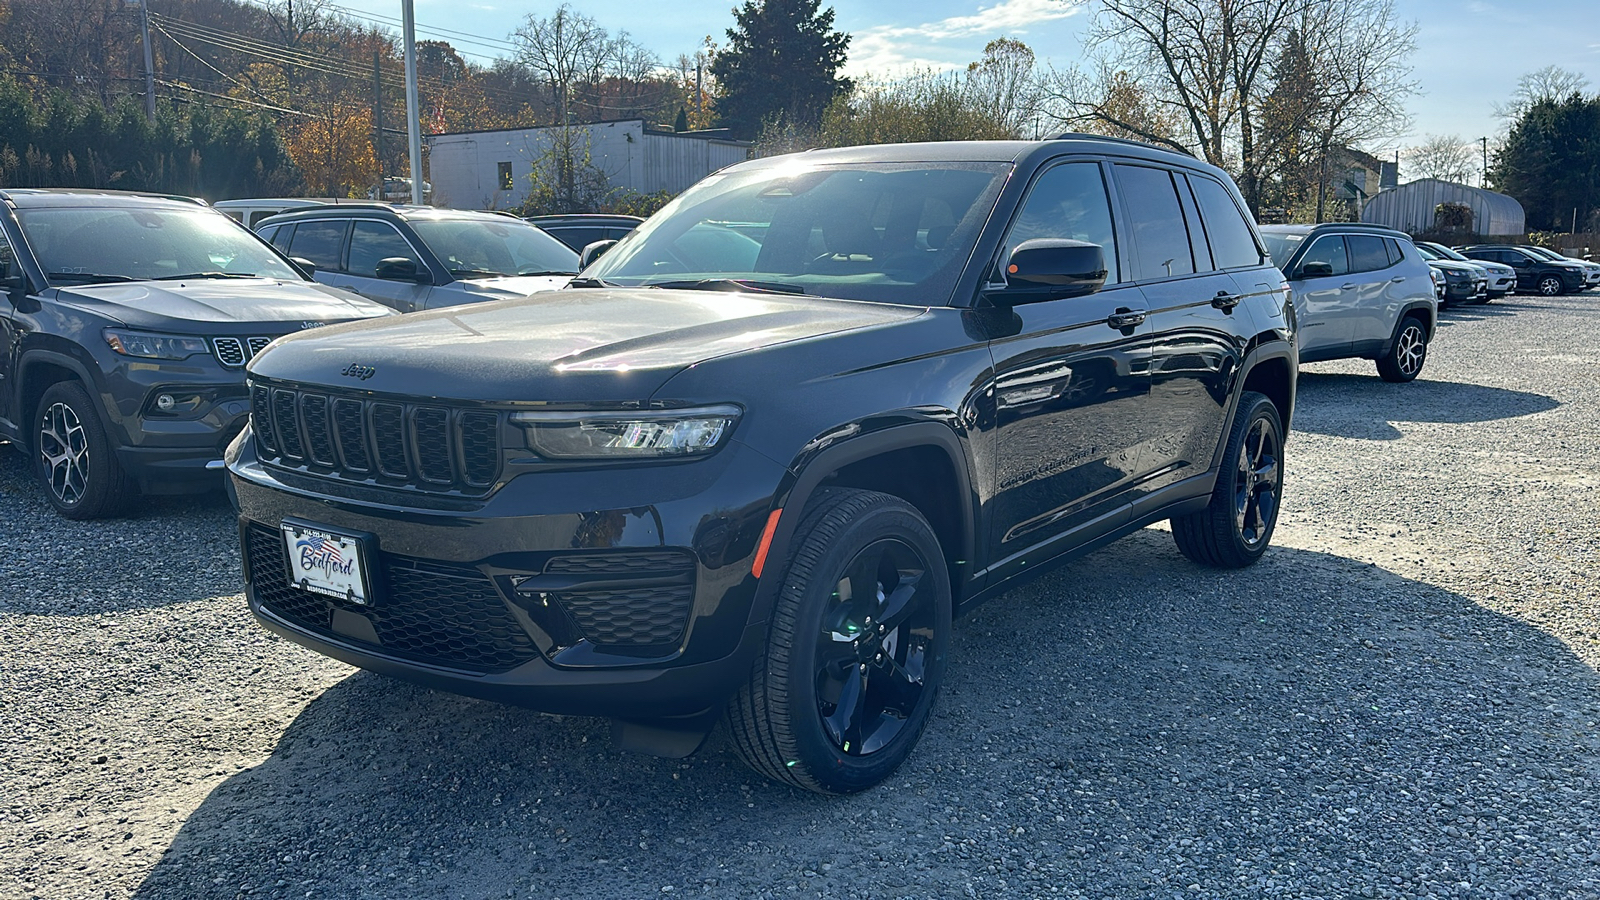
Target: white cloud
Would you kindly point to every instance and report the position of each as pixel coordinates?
(883, 49)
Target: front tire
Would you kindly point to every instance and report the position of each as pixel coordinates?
(1550, 285)
(855, 651)
(73, 457)
(1407, 352)
(1233, 531)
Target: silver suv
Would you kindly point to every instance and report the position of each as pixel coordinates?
(1360, 291)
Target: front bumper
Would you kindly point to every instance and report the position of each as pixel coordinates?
(1466, 290)
(621, 592)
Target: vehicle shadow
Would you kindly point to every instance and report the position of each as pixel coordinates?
(1126, 725)
(1363, 406)
(55, 566)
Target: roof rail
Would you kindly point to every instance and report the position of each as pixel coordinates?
(1076, 135)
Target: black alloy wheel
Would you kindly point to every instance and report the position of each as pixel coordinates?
(1407, 352)
(856, 649)
(1236, 527)
(1550, 285)
(73, 457)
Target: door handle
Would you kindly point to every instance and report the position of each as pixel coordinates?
(1126, 318)
(1225, 301)
(1348, 286)
(1398, 279)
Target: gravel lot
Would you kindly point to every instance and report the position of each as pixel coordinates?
(1400, 701)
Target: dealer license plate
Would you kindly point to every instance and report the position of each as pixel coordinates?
(326, 562)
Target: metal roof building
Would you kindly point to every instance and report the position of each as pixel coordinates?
(1410, 207)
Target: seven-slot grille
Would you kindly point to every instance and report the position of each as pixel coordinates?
(417, 444)
(234, 352)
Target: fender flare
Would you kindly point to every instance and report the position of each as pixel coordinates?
(31, 359)
(1264, 351)
(812, 466)
(1432, 321)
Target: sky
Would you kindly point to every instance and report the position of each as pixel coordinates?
(1468, 58)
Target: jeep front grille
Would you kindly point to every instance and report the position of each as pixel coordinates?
(422, 445)
(234, 352)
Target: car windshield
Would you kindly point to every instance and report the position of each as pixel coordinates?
(1282, 245)
(890, 233)
(1440, 251)
(490, 247)
(129, 243)
(1548, 254)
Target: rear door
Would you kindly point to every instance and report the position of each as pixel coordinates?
(8, 336)
(1372, 268)
(1071, 385)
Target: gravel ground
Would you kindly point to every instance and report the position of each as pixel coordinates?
(1401, 700)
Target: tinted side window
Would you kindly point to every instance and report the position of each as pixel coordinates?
(1328, 249)
(1068, 201)
(1231, 242)
(280, 238)
(319, 242)
(258, 215)
(1395, 253)
(373, 242)
(1367, 253)
(8, 258)
(1156, 221)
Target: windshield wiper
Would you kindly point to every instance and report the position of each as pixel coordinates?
(196, 275)
(730, 284)
(537, 274)
(477, 273)
(89, 277)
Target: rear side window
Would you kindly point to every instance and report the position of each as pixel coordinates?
(373, 242)
(1395, 253)
(1328, 249)
(1068, 201)
(280, 237)
(320, 242)
(1367, 253)
(1232, 245)
(1156, 221)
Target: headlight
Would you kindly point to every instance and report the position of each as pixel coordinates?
(154, 346)
(628, 434)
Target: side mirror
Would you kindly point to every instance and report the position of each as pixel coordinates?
(306, 266)
(399, 268)
(1316, 270)
(592, 252)
(1051, 269)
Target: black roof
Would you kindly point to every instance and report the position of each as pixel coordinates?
(1326, 227)
(404, 212)
(29, 198)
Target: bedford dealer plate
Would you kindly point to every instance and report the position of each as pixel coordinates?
(326, 562)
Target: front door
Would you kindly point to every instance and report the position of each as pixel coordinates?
(8, 337)
(371, 242)
(1070, 387)
(1323, 305)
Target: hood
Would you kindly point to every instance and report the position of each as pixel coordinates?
(1457, 268)
(211, 305)
(511, 287)
(601, 346)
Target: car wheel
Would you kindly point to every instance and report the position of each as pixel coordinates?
(73, 458)
(1407, 353)
(1550, 285)
(1236, 526)
(855, 651)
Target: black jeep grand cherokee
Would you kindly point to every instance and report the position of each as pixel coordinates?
(756, 457)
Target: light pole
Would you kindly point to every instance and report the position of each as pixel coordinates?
(413, 106)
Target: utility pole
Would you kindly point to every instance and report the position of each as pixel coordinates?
(699, 98)
(377, 119)
(413, 105)
(149, 61)
(1483, 180)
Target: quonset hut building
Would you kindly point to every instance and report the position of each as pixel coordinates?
(1410, 207)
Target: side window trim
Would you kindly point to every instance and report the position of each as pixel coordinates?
(1199, 235)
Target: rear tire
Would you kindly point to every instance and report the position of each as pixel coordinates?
(856, 648)
(1407, 352)
(73, 457)
(1233, 531)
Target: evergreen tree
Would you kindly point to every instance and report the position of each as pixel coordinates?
(781, 65)
(1551, 161)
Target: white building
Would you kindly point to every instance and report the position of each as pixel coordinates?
(491, 169)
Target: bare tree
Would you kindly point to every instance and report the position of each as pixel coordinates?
(1443, 156)
(564, 51)
(1006, 81)
(1548, 83)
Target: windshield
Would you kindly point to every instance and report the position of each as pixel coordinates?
(1545, 253)
(88, 243)
(1281, 246)
(1428, 253)
(1441, 251)
(891, 233)
(494, 246)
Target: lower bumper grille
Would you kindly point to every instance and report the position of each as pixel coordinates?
(443, 615)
